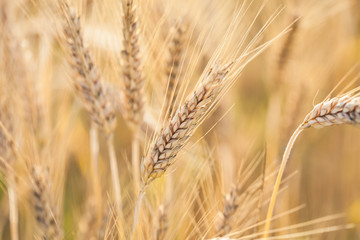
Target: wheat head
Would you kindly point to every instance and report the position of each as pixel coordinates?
(88, 82)
(181, 126)
(45, 216)
(338, 110)
(132, 73)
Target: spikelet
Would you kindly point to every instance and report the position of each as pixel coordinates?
(132, 73)
(181, 126)
(45, 216)
(88, 82)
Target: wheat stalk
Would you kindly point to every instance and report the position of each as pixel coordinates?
(45, 217)
(89, 222)
(9, 79)
(334, 111)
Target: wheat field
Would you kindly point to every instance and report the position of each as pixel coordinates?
(193, 119)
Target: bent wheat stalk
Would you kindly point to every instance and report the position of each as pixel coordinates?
(335, 111)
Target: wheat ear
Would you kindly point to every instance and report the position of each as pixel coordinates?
(173, 67)
(236, 199)
(88, 82)
(90, 88)
(45, 217)
(133, 81)
(335, 111)
(181, 126)
(132, 73)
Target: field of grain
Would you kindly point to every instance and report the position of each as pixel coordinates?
(192, 119)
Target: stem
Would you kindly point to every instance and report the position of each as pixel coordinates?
(94, 145)
(94, 151)
(13, 209)
(135, 161)
(114, 173)
(278, 179)
(137, 210)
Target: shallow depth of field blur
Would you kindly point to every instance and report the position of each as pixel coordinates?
(251, 124)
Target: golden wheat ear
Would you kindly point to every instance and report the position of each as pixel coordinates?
(334, 111)
(90, 88)
(88, 82)
(182, 125)
(45, 212)
(132, 72)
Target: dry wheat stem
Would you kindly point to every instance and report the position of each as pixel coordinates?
(135, 148)
(132, 73)
(43, 206)
(89, 224)
(94, 151)
(335, 111)
(13, 208)
(88, 82)
(9, 154)
(115, 175)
